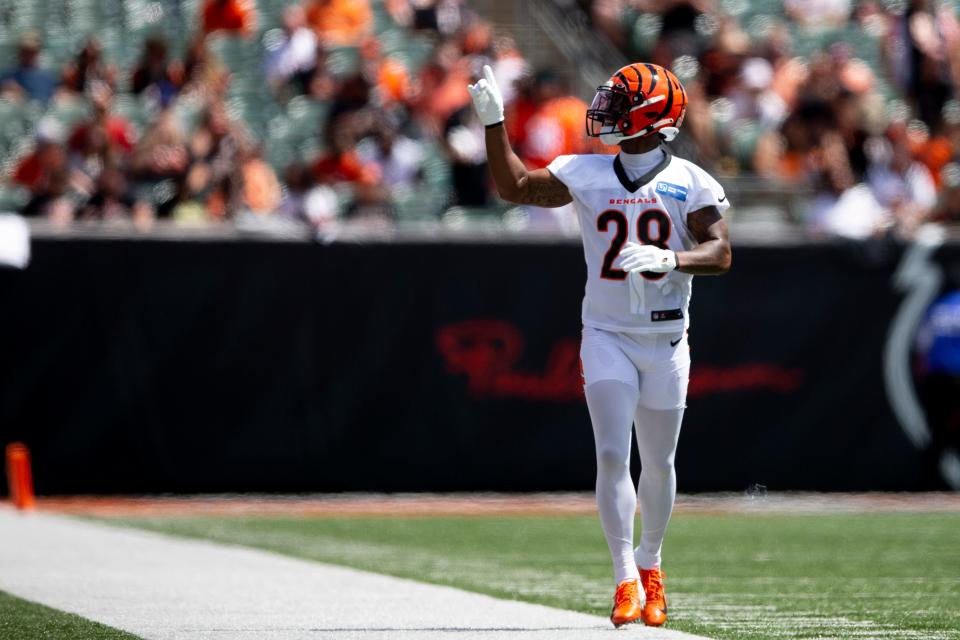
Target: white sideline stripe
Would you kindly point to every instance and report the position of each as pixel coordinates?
(161, 587)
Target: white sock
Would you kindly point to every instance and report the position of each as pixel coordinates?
(657, 434)
(612, 405)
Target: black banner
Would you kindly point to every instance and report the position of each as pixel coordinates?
(151, 366)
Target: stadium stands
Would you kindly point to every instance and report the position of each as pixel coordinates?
(806, 110)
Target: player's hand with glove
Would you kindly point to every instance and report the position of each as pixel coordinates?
(487, 99)
(646, 257)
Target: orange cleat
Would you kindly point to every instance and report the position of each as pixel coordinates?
(655, 610)
(627, 606)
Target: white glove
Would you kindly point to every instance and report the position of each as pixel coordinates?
(486, 98)
(646, 257)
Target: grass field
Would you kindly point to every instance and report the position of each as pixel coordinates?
(732, 576)
(22, 620)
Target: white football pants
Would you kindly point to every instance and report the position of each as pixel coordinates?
(616, 368)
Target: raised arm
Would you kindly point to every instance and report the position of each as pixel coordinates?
(514, 182)
(712, 257)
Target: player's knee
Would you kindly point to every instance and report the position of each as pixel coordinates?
(661, 466)
(611, 458)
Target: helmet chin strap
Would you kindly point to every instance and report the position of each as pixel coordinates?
(615, 138)
(667, 133)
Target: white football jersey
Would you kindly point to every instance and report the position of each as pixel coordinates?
(651, 210)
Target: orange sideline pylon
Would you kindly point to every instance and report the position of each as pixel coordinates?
(19, 477)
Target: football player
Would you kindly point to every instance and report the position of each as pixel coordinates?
(649, 221)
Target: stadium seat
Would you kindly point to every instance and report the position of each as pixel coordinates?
(12, 198)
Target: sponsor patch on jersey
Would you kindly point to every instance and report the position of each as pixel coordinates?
(674, 191)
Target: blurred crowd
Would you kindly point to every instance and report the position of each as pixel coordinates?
(852, 103)
(380, 123)
(855, 101)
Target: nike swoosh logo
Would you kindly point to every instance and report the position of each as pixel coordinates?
(722, 199)
(674, 343)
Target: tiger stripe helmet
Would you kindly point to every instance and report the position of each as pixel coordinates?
(638, 100)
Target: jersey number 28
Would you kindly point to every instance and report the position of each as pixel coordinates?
(653, 227)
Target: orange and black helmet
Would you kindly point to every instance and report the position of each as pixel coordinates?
(638, 100)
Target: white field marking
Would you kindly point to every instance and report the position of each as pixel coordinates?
(518, 582)
(161, 587)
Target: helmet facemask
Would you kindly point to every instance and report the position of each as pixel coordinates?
(610, 108)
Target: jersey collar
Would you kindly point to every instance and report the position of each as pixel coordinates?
(633, 185)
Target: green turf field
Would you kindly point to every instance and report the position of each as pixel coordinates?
(729, 576)
(23, 620)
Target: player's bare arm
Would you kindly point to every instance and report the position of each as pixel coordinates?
(514, 182)
(712, 257)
